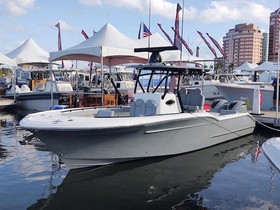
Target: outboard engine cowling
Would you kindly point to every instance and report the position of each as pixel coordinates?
(238, 105)
(218, 104)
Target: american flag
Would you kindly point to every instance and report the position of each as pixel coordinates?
(146, 31)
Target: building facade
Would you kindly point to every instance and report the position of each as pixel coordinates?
(274, 27)
(242, 44)
(265, 46)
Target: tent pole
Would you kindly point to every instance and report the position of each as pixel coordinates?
(51, 72)
(102, 77)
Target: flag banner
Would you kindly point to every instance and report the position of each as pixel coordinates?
(59, 42)
(139, 33)
(197, 55)
(167, 36)
(59, 36)
(177, 41)
(146, 31)
(184, 43)
(84, 34)
(208, 44)
(216, 44)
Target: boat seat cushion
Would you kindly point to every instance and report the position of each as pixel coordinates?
(193, 100)
(137, 107)
(151, 108)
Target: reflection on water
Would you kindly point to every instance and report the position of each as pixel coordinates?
(234, 175)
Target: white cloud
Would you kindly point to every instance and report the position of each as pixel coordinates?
(16, 7)
(220, 11)
(217, 11)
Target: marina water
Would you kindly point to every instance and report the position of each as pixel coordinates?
(233, 175)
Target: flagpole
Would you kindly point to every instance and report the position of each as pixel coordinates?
(278, 58)
(182, 29)
(149, 22)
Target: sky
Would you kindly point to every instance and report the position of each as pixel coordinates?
(22, 19)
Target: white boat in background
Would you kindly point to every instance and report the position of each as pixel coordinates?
(246, 91)
(158, 123)
(271, 149)
(6, 103)
(208, 82)
(43, 91)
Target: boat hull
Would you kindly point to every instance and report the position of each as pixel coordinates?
(41, 101)
(271, 149)
(92, 147)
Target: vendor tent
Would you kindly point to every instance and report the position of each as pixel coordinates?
(30, 53)
(245, 67)
(107, 46)
(5, 60)
(267, 66)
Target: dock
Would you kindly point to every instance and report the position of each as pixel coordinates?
(268, 117)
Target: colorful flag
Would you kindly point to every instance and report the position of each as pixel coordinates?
(216, 44)
(139, 33)
(84, 34)
(177, 41)
(183, 42)
(59, 41)
(197, 51)
(197, 55)
(167, 36)
(146, 31)
(208, 44)
(59, 36)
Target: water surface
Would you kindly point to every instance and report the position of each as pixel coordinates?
(233, 175)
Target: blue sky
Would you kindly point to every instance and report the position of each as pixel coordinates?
(21, 19)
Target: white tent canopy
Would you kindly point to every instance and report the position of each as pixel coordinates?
(108, 43)
(267, 66)
(5, 60)
(246, 67)
(29, 53)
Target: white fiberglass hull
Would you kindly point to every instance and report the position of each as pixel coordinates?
(246, 92)
(41, 101)
(271, 149)
(88, 141)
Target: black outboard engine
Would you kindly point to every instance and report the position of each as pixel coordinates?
(218, 104)
(238, 105)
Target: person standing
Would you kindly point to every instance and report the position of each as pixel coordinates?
(274, 84)
(173, 83)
